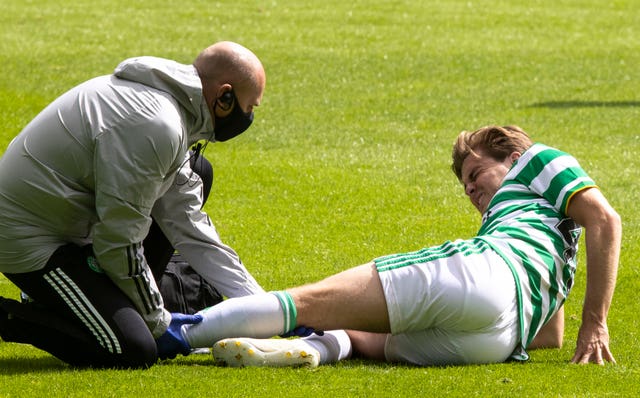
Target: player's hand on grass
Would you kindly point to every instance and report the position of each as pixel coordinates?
(171, 343)
(593, 345)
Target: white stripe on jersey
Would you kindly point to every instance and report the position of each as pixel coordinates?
(524, 159)
(525, 228)
(568, 188)
(541, 183)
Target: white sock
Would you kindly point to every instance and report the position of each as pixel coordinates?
(257, 316)
(333, 346)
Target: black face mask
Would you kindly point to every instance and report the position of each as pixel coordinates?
(234, 123)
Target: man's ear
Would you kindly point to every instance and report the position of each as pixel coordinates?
(515, 156)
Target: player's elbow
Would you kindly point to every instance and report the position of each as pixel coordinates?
(607, 218)
(615, 221)
(611, 227)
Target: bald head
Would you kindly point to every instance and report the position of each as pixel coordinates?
(228, 67)
(228, 62)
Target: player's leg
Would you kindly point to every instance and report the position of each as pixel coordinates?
(368, 345)
(78, 315)
(445, 347)
(453, 304)
(426, 290)
(332, 346)
(352, 299)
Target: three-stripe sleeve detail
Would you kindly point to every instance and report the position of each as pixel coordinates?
(137, 276)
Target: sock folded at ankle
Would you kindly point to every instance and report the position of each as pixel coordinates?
(289, 310)
(333, 346)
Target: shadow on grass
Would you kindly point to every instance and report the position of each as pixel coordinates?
(16, 366)
(585, 104)
(25, 365)
(370, 364)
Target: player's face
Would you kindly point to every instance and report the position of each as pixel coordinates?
(482, 175)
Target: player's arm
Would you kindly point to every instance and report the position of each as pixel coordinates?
(551, 334)
(603, 233)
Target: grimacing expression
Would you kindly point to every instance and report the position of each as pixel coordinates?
(482, 176)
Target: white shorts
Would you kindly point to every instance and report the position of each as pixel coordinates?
(450, 304)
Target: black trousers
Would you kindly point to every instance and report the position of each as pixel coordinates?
(79, 315)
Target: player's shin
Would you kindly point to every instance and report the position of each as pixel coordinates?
(257, 316)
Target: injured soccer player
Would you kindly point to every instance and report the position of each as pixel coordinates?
(484, 299)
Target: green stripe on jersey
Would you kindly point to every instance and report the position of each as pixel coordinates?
(561, 181)
(536, 164)
(526, 223)
(559, 172)
(535, 297)
(447, 249)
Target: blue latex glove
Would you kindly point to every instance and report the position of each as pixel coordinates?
(171, 343)
(302, 331)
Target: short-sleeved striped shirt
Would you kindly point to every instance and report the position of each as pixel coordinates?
(527, 224)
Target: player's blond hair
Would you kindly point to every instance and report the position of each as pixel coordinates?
(496, 141)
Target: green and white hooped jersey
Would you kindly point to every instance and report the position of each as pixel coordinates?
(527, 225)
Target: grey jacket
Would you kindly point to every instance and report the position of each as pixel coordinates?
(97, 163)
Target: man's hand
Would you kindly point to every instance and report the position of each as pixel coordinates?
(171, 343)
(302, 331)
(593, 345)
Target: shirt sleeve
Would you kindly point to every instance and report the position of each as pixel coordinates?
(554, 175)
(133, 164)
(190, 230)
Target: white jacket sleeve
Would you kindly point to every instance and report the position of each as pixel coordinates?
(190, 230)
(133, 165)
